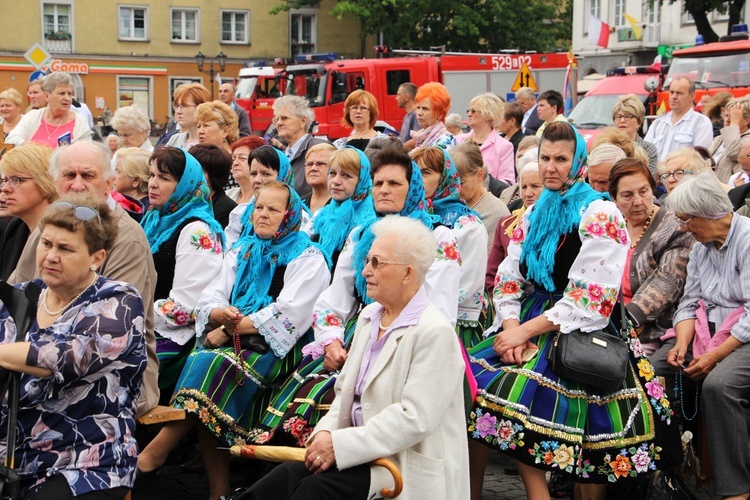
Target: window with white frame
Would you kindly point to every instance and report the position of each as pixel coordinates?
(133, 23)
(235, 26)
(56, 18)
(186, 25)
(651, 11)
(618, 10)
(303, 31)
(593, 8)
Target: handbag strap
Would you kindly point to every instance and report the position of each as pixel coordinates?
(623, 317)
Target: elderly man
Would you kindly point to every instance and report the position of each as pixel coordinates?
(682, 126)
(84, 167)
(226, 95)
(531, 121)
(601, 160)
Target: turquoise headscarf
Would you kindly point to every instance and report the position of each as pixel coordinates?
(258, 258)
(285, 175)
(335, 221)
(557, 213)
(413, 207)
(446, 202)
(190, 199)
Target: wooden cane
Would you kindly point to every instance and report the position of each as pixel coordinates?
(289, 454)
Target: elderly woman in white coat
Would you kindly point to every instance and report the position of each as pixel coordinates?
(399, 396)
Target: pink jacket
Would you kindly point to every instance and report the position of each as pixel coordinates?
(498, 156)
(703, 342)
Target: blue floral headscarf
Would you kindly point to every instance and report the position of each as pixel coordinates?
(413, 207)
(336, 220)
(258, 258)
(556, 213)
(446, 202)
(285, 175)
(190, 200)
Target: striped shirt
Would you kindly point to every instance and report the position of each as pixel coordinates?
(721, 278)
(693, 129)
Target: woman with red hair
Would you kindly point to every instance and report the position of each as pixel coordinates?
(433, 103)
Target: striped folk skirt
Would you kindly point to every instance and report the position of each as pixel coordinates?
(212, 388)
(560, 425)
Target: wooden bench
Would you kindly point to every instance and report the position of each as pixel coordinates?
(161, 415)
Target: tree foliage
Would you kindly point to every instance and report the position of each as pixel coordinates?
(701, 9)
(468, 25)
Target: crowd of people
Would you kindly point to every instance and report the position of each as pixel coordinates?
(381, 296)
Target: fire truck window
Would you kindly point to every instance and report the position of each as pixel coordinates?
(395, 78)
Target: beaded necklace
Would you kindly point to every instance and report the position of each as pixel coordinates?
(62, 310)
(645, 228)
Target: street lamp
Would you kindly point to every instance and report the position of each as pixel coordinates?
(200, 60)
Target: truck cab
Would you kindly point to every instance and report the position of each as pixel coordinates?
(257, 88)
(326, 86)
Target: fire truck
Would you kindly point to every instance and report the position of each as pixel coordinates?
(257, 88)
(714, 67)
(327, 83)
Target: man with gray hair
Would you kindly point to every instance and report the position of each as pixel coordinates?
(84, 167)
(682, 126)
(226, 95)
(601, 160)
(531, 121)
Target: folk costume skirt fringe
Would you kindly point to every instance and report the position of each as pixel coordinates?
(212, 388)
(554, 424)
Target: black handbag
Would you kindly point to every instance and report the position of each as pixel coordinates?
(21, 305)
(598, 358)
(667, 485)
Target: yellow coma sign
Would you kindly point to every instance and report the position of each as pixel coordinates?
(524, 79)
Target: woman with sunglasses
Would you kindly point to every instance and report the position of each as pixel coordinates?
(187, 244)
(28, 189)
(252, 320)
(397, 189)
(81, 363)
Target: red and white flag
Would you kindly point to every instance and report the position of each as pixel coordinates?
(598, 32)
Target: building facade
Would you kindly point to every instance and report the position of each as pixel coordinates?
(123, 53)
(664, 28)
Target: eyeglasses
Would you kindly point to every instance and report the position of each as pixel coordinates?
(376, 262)
(472, 111)
(178, 107)
(676, 175)
(82, 212)
(13, 180)
(240, 157)
(316, 164)
(359, 108)
(617, 118)
(683, 223)
(282, 118)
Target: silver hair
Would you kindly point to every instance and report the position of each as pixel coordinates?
(297, 105)
(531, 166)
(56, 79)
(415, 243)
(700, 196)
(453, 120)
(527, 92)
(606, 153)
(97, 147)
(131, 117)
(529, 156)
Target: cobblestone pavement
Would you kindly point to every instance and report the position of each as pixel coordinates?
(174, 483)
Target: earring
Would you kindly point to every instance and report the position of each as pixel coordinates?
(93, 268)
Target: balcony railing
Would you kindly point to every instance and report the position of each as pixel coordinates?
(649, 35)
(64, 46)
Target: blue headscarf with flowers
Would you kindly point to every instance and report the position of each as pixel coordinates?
(335, 221)
(189, 200)
(258, 258)
(446, 202)
(555, 214)
(285, 175)
(413, 207)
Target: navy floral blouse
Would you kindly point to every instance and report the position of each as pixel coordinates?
(79, 421)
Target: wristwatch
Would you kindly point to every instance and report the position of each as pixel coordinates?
(225, 331)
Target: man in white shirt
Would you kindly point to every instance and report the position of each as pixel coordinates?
(682, 126)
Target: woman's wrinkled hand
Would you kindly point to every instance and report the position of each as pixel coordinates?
(512, 340)
(676, 356)
(230, 317)
(319, 456)
(700, 366)
(215, 338)
(335, 356)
